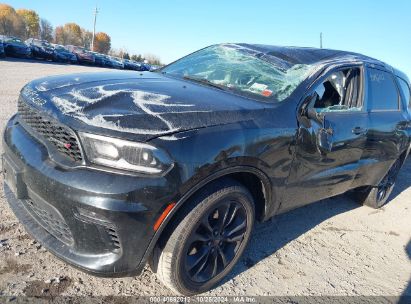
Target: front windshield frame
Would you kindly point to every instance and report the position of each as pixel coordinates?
(288, 76)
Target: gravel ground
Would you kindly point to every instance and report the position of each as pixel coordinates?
(332, 247)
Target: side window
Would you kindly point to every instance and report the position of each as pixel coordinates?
(405, 89)
(382, 91)
(339, 92)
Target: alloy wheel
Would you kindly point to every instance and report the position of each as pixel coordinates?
(215, 241)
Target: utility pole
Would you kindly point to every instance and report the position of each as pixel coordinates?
(321, 40)
(94, 28)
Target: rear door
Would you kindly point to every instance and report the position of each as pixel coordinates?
(331, 138)
(387, 135)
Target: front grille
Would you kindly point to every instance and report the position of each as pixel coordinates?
(61, 137)
(50, 220)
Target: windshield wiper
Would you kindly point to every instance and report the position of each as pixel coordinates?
(206, 82)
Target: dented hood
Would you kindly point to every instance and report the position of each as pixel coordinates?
(146, 105)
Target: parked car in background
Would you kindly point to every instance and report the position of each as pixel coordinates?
(108, 61)
(154, 67)
(40, 48)
(131, 65)
(2, 52)
(83, 56)
(144, 66)
(101, 60)
(116, 62)
(61, 54)
(15, 47)
(174, 167)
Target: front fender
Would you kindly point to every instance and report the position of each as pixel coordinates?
(270, 206)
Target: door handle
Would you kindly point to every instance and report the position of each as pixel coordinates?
(359, 130)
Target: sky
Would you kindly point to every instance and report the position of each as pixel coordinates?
(173, 28)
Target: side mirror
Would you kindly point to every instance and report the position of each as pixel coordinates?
(312, 114)
(304, 117)
(309, 114)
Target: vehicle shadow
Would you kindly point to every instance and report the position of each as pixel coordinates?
(404, 179)
(406, 296)
(274, 234)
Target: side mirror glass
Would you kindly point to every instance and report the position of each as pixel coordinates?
(308, 113)
(312, 114)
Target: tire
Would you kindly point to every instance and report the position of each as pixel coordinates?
(377, 196)
(210, 252)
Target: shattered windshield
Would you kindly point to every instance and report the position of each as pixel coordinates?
(240, 70)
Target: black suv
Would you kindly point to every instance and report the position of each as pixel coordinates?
(40, 48)
(15, 47)
(111, 170)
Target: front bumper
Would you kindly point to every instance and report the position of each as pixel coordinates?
(100, 222)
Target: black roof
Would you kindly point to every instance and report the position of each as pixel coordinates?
(307, 55)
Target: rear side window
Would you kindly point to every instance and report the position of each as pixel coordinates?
(405, 90)
(382, 91)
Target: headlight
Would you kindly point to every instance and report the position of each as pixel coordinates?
(127, 155)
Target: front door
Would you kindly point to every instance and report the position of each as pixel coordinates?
(330, 140)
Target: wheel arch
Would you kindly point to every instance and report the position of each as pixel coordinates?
(404, 155)
(248, 176)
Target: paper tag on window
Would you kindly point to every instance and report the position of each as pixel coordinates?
(267, 93)
(259, 87)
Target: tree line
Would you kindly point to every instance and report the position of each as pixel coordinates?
(122, 53)
(26, 23)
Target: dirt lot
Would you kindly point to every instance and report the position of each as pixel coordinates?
(332, 247)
